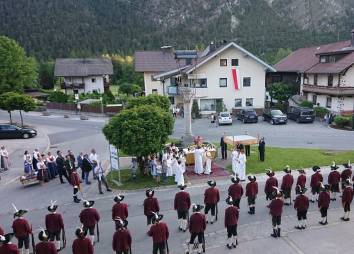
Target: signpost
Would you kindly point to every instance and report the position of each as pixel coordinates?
(114, 160)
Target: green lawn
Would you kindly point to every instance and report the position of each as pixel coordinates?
(277, 158)
(142, 182)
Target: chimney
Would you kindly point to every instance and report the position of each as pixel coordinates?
(352, 38)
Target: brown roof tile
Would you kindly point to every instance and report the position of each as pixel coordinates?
(336, 67)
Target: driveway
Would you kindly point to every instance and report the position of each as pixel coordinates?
(313, 135)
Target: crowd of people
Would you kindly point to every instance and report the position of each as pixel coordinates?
(47, 167)
(278, 196)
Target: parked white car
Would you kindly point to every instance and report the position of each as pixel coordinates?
(224, 118)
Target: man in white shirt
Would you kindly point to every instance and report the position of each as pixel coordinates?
(94, 158)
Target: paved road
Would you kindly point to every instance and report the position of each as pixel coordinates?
(315, 135)
(253, 230)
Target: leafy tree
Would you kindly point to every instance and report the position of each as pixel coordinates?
(155, 100)
(46, 75)
(11, 101)
(124, 72)
(58, 96)
(306, 104)
(129, 89)
(140, 130)
(280, 91)
(274, 57)
(195, 109)
(17, 71)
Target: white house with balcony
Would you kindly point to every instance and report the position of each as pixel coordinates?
(224, 74)
(326, 73)
(83, 75)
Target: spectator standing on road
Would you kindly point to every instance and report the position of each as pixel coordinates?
(94, 158)
(223, 147)
(79, 159)
(42, 169)
(261, 149)
(35, 157)
(101, 178)
(51, 165)
(27, 160)
(86, 167)
(5, 159)
(60, 161)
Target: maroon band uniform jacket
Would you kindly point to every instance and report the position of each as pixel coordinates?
(9, 249)
(159, 232)
(197, 223)
(301, 203)
(54, 222)
(46, 248)
(276, 207)
(270, 183)
(316, 178)
(301, 180)
(287, 183)
(347, 196)
(231, 216)
(235, 191)
(82, 246)
(334, 178)
(346, 173)
(182, 201)
(89, 217)
(75, 179)
(324, 199)
(251, 189)
(21, 227)
(120, 210)
(211, 196)
(151, 205)
(122, 240)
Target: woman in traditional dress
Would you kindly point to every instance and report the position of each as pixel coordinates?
(208, 162)
(27, 160)
(42, 168)
(234, 158)
(51, 165)
(242, 164)
(5, 161)
(198, 160)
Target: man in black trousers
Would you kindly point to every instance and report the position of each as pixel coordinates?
(60, 161)
(223, 147)
(261, 149)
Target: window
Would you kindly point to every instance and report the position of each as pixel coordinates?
(223, 82)
(246, 81)
(207, 105)
(199, 83)
(330, 80)
(329, 102)
(306, 79)
(223, 62)
(154, 91)
(93, 80)
(238, 103)
(314, 99)
(234, 62)
(249, 102)
(324, 59)
(315, 79)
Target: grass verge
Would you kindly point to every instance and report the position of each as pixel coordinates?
(277, 158)
(141, 182)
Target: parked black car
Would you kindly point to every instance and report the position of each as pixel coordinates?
(301, 114)
(8, 131)
(274, 116)
(248, 115)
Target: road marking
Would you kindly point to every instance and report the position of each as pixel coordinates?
(292, 244)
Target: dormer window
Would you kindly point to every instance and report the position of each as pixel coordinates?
(324, 59)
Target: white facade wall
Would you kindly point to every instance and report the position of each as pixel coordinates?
(338, 103)
(92, 83)
(212, 71)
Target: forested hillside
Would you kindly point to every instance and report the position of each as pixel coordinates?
(62, 28)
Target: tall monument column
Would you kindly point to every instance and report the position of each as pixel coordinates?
(187, 95)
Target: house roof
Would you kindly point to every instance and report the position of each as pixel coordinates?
(82, 67)
(210, 56)
(307, 59)
(157, 61)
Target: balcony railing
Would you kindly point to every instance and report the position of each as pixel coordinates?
(72, 86)
(336, 91)
(172, 90)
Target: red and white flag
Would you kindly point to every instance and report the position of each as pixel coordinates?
(235, 79)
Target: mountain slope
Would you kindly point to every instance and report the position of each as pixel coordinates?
(62, 28)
